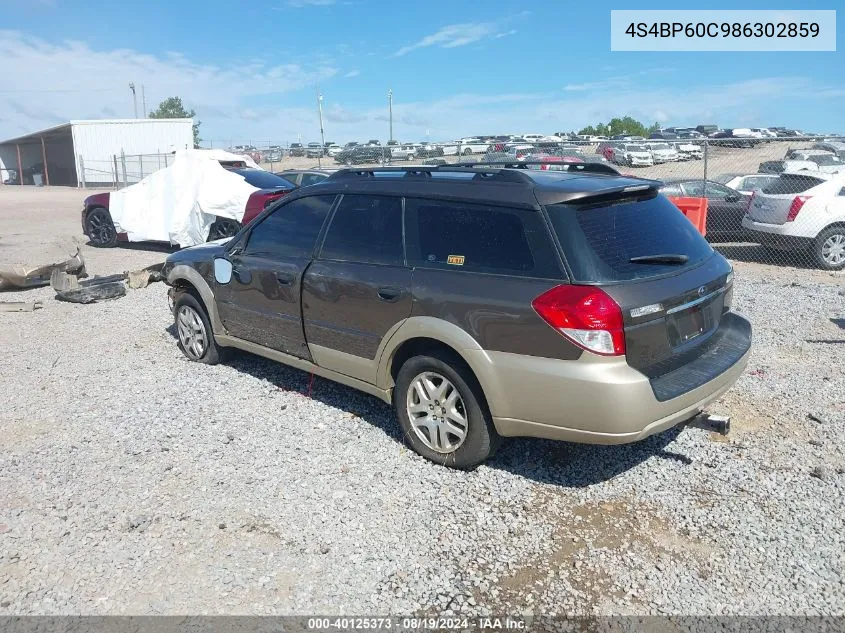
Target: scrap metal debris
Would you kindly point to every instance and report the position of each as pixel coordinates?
(20, 306)
(69, 288)
(23, 276)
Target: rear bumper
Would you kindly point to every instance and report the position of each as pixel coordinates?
(776, 235)
(601, 400)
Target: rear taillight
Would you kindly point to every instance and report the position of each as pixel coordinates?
(795, 207)
(272, 198)
(586, 315)
(750, 201)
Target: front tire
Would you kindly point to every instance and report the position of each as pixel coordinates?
(100, 228)
(442, 411)
(829, 248)
(196, 339)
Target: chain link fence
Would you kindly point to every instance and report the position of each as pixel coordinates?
(769, 200)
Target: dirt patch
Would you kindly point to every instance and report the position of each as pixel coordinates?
(580, 563)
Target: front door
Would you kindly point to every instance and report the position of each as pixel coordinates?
(359, 286)
(261, 303)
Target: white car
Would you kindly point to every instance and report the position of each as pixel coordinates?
(746, 184)
(802, 211)
(539, 138)
(471, 145)
(663, 152)
(333, 149)
(403, 152)
(688, 151)
(632, 155)
(764, 132)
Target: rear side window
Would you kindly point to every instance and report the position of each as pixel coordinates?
(792, 183)
(600, 240)
(366, 229)
(479, 238)
(291, 230)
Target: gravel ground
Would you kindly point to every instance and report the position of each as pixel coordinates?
(135, 482)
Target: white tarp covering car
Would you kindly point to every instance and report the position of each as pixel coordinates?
(179, 203)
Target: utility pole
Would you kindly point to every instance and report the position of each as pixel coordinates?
(144, 100)
(322, 135)
(320, 112)
(390, 110)
(134, 98)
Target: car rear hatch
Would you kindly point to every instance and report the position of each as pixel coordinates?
(772, 204)
(673, 289)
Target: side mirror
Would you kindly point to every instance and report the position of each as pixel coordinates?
(732, 198)
(222, 270)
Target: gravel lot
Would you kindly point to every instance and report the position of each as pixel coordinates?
(135, 482)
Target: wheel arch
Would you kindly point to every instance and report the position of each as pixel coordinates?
(187, 278)
(421, 334)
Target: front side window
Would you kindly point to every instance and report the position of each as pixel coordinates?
(291, 229)
(366, 229)
(479, 238)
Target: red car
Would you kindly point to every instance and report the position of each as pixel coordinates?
(97, 224)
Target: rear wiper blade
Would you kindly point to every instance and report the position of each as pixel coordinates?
(663, 258)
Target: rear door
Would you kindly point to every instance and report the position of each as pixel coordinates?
(359, 287)
(261, 304)
(771, 205)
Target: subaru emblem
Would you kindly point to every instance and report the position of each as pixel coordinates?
(701, 291)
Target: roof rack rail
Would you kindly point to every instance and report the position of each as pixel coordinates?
(594, 168)
(497, 174)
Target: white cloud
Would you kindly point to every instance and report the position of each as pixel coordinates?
(352, 73)
(452, 36)
(505, 33)
(50, 82)
(617, 81)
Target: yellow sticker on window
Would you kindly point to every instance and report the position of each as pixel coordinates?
(456, 260)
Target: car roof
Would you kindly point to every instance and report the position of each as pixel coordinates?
(488, 184)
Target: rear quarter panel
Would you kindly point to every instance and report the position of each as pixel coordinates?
(495, 310)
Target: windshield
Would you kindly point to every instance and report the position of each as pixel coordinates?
(635, 148)
(599, 241)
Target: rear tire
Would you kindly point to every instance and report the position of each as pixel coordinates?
(100, 228)
(196, 339)
(829, 248)
(442, 411)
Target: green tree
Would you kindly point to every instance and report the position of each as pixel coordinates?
(172, 108)
(625, 125)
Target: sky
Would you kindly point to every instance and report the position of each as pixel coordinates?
(252, 71)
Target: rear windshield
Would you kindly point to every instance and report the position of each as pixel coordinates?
(791, 183)
(600, 240)
(264, 179)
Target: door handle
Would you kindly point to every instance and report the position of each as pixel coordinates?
(285, 278)
(389, 294)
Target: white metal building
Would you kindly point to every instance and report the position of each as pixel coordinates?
(81, 153)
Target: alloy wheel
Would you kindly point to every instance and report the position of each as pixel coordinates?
(437, 412)
(192, 334)
(833, 249)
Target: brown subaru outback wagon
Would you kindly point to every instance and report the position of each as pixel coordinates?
(480, 302)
